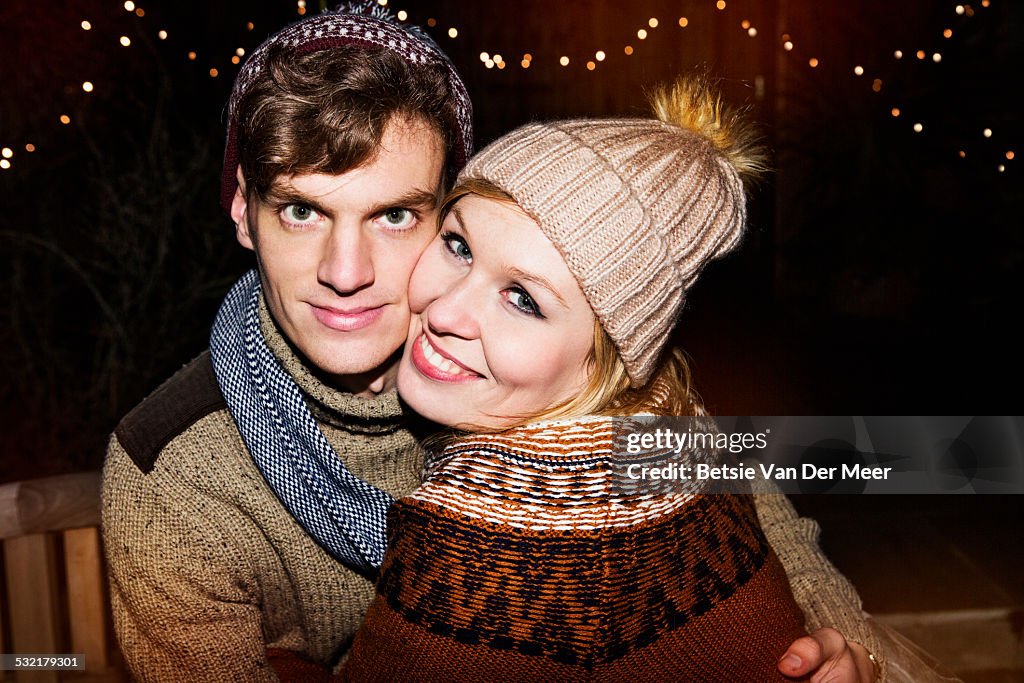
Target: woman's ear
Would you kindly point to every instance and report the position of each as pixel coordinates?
(239, 215)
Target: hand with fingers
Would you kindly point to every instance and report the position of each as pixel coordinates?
(826, 656)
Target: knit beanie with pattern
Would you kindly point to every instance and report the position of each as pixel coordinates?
(636, 207)
(365, 24)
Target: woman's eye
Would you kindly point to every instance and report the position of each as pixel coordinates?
(457, 246)
(523, 301)
(397, 219)
(299, 214)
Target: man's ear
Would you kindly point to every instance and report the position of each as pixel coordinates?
(239, 215)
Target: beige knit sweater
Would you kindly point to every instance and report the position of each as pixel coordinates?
(208, 570)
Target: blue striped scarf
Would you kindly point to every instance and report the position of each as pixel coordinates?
(343, 513)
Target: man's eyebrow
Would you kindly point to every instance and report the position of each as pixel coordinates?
(519, 274)
(419, 198)
(279, 195)
(286, 194)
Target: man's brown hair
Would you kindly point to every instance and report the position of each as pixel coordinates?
(326, 111)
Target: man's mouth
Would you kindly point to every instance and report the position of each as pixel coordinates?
(347, 320)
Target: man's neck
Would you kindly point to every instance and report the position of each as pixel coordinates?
(369, 384)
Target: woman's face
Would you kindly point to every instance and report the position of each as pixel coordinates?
(500, 328)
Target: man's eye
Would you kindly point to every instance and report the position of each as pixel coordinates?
(300, 214)
(396, 219)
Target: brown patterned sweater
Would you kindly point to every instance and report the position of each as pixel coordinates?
(522, 558)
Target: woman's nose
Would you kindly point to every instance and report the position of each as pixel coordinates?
(456, 312)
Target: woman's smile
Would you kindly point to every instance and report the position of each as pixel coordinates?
(435, 364)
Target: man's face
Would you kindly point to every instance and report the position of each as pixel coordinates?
(335, 253)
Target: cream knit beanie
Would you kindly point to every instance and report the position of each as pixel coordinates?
(636, 207)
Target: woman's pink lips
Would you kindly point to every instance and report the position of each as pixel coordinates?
(421, 363)
(347, 320)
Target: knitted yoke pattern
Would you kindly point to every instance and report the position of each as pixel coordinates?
(523, 558)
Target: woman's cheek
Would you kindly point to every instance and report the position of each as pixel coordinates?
(430, 280)
(549, 368)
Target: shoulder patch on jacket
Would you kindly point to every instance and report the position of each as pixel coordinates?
(187, 397)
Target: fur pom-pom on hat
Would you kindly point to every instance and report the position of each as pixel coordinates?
(693, 103)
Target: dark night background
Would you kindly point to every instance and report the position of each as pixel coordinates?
(880, 276)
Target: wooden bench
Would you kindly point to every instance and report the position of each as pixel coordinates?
(53, 598)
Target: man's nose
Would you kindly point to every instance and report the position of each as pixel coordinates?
(346, 265)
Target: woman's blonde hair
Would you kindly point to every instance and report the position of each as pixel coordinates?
(609, 392)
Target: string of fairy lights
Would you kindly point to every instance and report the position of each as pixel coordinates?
(591, 62)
